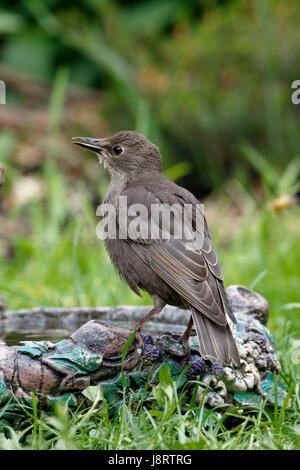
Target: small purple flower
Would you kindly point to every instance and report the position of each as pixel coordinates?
(148, 339)
(268, 359)
(197, 364)
(152, 351)
(217, 368)
(245, 326)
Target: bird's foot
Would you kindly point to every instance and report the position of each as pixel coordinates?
(178, 347)
(185, 343)
(138, 329)
(138, 335)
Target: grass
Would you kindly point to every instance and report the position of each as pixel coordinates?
(176, 427)
(55, 258)
(62, 263)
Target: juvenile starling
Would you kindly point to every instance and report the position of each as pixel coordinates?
(172, 274)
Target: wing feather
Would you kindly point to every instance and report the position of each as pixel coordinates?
(195, 274)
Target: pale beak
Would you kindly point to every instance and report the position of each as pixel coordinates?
(89, 143)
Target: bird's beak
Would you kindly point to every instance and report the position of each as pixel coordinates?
(93, 144)
(284, 202)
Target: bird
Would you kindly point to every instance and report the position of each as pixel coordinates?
(170, 271)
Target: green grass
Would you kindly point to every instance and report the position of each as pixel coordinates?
(175, 427)
(61, 262)
(53, 257)
(50, 254)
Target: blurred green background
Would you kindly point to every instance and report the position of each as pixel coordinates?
(208, 81)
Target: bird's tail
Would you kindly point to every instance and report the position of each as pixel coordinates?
(216, 342)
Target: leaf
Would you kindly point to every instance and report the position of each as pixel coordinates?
(165, 378)
(295, 352)
(258, 279)
(124, 352)
(178, 170)
(290, 177)
(165, 391)
(92, 392)
(10, 22)
(151, 17)
(267, 172)
(156, 413)
(290, 306)
(57, 100)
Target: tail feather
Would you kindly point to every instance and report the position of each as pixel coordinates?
(216, 342)
(225, 301)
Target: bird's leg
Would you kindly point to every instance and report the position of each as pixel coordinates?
(158, 306)
(187, 333)
(139, 325)
(184, 339)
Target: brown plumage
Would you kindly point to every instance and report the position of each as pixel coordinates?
(165, 268)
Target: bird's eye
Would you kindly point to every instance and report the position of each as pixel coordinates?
(117, 150)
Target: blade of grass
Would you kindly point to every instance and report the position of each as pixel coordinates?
(258, 278)
(75, 269)
(124, 352)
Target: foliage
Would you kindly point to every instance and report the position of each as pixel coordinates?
(164, 423)
(210, 82)
(204, 78)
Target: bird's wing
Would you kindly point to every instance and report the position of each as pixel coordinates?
(195, 274)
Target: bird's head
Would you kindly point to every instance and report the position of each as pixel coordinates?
(126, 154)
